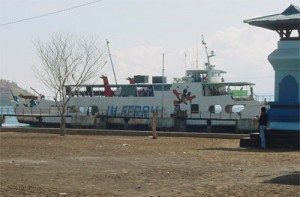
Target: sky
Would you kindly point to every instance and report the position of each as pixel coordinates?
(140, 32)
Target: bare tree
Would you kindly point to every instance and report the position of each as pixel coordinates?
(67, 60)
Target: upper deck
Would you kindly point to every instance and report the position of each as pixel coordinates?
(207, 82)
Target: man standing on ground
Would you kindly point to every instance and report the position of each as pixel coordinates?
(263, 122)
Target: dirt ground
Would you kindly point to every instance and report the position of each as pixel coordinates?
(34, 164)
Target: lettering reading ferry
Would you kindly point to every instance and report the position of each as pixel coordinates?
(131, 110)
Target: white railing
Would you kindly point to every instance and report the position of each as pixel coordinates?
(36, 111)
(264, 98)
(216, 116)
(7, 110)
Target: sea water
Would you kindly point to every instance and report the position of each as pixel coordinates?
(10, 121)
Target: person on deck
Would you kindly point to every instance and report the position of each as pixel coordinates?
(263, 122)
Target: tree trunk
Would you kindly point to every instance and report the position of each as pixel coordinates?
(62, 125)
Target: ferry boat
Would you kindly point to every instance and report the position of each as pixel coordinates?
(200, 99)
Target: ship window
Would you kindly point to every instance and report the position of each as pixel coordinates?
(228, 108)
(89, 91)
(94, 109)
(159, 87)
(68, 91)
(145, 91)
(128, 91)
(194, 108)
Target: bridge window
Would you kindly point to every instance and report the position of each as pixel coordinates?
(214, 90)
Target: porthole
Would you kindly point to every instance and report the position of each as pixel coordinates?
(215, 109)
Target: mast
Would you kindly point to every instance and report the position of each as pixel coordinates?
(197, 57)
(112, 65)
(207, 65)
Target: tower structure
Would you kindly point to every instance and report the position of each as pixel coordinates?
(284, 112)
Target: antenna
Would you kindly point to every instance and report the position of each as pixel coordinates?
(112, 65)
(207, 65)
(185, 62)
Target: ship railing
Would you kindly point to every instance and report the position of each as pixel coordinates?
(55, 112)
(264, 98)
(20, 111)
(216, 116)
(6, 110)
(37, 111)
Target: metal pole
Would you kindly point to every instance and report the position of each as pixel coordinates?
(154, 132)
(107, 42)
(162, 85)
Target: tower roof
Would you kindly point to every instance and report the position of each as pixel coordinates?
(287, 21)
(289, 18)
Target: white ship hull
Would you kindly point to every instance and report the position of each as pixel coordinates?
(113, 111)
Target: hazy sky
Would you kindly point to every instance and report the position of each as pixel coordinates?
(140, 31)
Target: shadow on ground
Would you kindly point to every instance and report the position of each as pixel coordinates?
(275, 150)
(288, 179)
